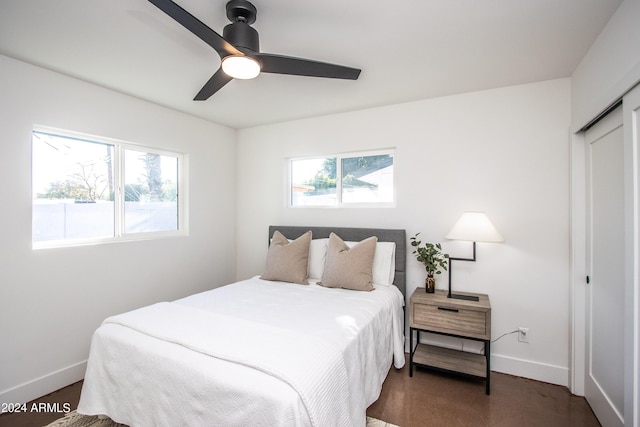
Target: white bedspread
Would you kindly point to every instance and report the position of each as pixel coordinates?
(251, 353)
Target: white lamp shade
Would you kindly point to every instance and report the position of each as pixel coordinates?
(474, 227)
(240, 67)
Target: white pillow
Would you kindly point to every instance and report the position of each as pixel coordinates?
(384, 262)
(317, 257)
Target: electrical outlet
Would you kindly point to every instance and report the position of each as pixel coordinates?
(523, 334)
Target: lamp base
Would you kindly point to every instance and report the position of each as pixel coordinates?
(458, 296)
(464, 297)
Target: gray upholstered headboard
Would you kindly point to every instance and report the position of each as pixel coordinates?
(356, 234)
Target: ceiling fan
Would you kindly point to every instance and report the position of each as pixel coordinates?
(239, 49)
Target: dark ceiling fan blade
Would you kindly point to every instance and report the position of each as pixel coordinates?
(197, 27)
(215, 83)
(279, 64)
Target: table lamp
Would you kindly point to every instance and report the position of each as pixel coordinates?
(473, 227)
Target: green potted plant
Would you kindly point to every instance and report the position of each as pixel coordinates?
(433, 259)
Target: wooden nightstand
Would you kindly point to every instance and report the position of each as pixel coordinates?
(438, 314)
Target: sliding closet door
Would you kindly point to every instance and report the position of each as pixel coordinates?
(605, 364)
(631, 121)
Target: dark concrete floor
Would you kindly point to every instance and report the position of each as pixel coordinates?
(432, 398)
(37, 418)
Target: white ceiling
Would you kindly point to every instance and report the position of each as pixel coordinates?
(407, 49)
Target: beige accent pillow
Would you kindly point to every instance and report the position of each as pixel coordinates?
(287, 261)
(349, 268)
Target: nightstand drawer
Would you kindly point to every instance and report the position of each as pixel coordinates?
(458, 321)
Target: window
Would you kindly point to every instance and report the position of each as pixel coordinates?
(150, 192)
(93, 189)
(313, 182)
(364, 179)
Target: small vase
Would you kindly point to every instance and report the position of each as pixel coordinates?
(430, 284)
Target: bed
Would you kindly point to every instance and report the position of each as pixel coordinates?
(261, 351)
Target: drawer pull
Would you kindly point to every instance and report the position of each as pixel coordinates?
(448, 309)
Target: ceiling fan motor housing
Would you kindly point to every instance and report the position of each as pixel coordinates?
(242, 35)
(239, 33)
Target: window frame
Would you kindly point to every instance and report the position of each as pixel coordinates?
(119, 147)
(339, 197)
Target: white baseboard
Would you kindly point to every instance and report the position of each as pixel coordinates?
(530, 369)
(44, 385)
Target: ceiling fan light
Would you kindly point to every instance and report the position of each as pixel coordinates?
(240, 67)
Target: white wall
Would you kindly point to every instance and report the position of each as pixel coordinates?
(52, 300)
(610, 68)
(503, 151)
